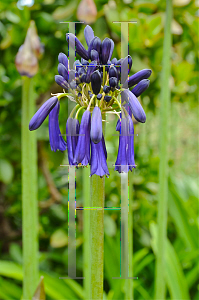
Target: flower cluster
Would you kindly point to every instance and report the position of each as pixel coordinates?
(95, 83)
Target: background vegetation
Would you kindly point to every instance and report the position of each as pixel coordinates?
(145, 47)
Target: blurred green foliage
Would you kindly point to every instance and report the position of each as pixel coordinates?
(145, 47)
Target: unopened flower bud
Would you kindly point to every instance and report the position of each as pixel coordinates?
(26, 58)
(87, 11)
(96, 82)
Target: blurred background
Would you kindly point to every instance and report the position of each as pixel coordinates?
(145, 47)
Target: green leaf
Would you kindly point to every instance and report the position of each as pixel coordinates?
(175, 278)
(187, 231)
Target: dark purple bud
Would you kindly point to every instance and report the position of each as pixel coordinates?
(83, 78)
(112, 47)
(134, 79)
(141, 87)
(82, 152)
(106, 48)
(89, 34)
(98, 159)
(113, 82)
(62, 82)
(96, 82)
(96, 125)
(114, 61)
(56, 140)
(97, 44)
(107, 98)
(42, 113)
(112, 72)
(84, 62)
(134, 105)
(106, 89)
(63, 71)
(94, 55)
(90, 69)
(62, 58)
(79, 95)
(73, 41)
(99, 96)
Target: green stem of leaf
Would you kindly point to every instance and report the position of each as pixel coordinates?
(160, 287)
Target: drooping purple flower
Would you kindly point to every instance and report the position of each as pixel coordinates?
(125, 158)
(42, 113)
(131, 159)
(135, 78)
(89, 34)
(141, 87)
(96, 125)
(134, 105)
(98, 159)
(106, 48)
(121, 164)
(96, 82)
(56, 140)
(82, 151)
(61, 81)
(72, 131)
(73, 41)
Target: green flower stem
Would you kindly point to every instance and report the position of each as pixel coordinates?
(163, 167)
(97, 185)
(29, 194)
(129, 282)
(86, 232)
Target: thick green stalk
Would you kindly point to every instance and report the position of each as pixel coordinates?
(29, 194)
(86, 230)
(129, 282)
(97, 186)
(160, 287)
(97, 237)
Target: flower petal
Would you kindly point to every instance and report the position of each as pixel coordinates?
(83, 145)
(56, 140)
(42, 113)
(96, 125)
(89, 34)
(61, 81)
(134, 105)
(134, 79)
(141, 87)
(73, 41)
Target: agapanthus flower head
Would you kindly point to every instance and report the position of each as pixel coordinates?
(95, 83)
